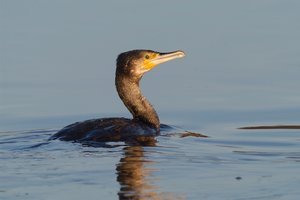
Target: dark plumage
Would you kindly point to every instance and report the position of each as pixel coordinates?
(131, 66)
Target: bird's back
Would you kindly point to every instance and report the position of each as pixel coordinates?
(105, 130)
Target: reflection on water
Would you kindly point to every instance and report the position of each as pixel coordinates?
(134, 175)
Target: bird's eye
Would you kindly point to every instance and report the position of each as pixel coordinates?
(147, 56)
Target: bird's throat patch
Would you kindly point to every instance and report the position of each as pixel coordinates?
(148, 65)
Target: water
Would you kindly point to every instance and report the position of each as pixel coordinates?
(57, 67)
(234, 165)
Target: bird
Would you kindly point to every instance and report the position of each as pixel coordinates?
(145, 124)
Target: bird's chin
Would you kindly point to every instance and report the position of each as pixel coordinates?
(140, 72)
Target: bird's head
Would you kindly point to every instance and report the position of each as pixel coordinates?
(137, 62)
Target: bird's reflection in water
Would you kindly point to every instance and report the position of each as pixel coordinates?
(133, 174)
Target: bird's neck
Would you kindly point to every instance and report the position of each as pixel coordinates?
(140, 108)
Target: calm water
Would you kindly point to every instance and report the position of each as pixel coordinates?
(242, 68)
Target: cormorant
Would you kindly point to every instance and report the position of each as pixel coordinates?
(131, 66)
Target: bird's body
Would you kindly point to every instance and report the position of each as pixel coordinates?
(105, 130)
(131, 66)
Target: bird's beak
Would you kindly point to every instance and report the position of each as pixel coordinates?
(163, 57)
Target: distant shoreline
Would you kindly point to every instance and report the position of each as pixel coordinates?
(272, 127)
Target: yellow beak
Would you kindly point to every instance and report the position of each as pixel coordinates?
(161, 58)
